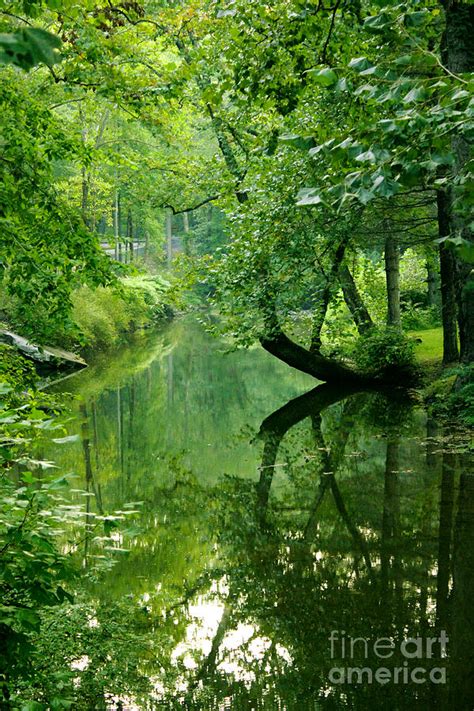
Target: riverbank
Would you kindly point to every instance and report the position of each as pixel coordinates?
(102, 318)
(107, 316)
(448, 391)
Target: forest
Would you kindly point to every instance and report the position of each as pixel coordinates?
(236, 354)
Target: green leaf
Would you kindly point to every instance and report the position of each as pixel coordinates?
(367, 156)
(292, 139)
(309, 196)
(324, 77)
(415, 19)
(28, 618)
(404, 59)
(463, 247)
(385, 187)
(418, 93)
(64, 440)
(360, 64)
(29, 47)
(377, 23)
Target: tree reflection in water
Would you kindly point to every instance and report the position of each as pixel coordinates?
(331, 551)
(360, 521)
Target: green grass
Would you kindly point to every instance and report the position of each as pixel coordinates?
(431, 347)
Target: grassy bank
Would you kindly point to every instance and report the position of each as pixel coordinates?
(107, 315)
(430, 347)
(449, 392)
(101, 317)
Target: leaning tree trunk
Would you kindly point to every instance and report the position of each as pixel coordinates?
(294, 355)
(392, 275)
(354, 301)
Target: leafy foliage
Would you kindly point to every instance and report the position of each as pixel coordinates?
(45, 250)
(386, 353)
(28, 47)
(105, 315)
(39, 531)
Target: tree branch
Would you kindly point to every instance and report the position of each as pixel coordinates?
(194, 207)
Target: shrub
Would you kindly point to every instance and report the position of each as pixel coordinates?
(15, 370)
(101, 316)
(386, 353)
(416, 318)
(104, 315)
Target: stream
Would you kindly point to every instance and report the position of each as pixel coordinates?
(298, 546)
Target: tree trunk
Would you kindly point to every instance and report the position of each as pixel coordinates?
(432, 281)
(169, 239)
(446, 508)
(85, 195)
(186, 234)
(392, 275)
(84, 174)
(447, 266)
(130, 232)
(322, 306)
(458, 54)
(462, 632)
(390, 519)
(294, 355)
(353, 299)
(115, 214)
(228, 154)
(119, 234)
(145, 249)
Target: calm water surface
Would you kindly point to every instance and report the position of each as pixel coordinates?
(290, 539)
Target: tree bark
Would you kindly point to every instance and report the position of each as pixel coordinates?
(130, 233)
(186, 234)
(446, 508)
(321, 368)
(322, 306)
(169, 239)
(432, 281)
(354, 301)
(458, 55)
(447, 265)
(115, 214)
(392, 275)
(390, 520)
(228, 154)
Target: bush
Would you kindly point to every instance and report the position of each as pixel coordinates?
(416, 318)
(15, 370)
(386, 353)
(104, 315)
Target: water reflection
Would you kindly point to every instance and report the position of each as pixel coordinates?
(341, 516)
